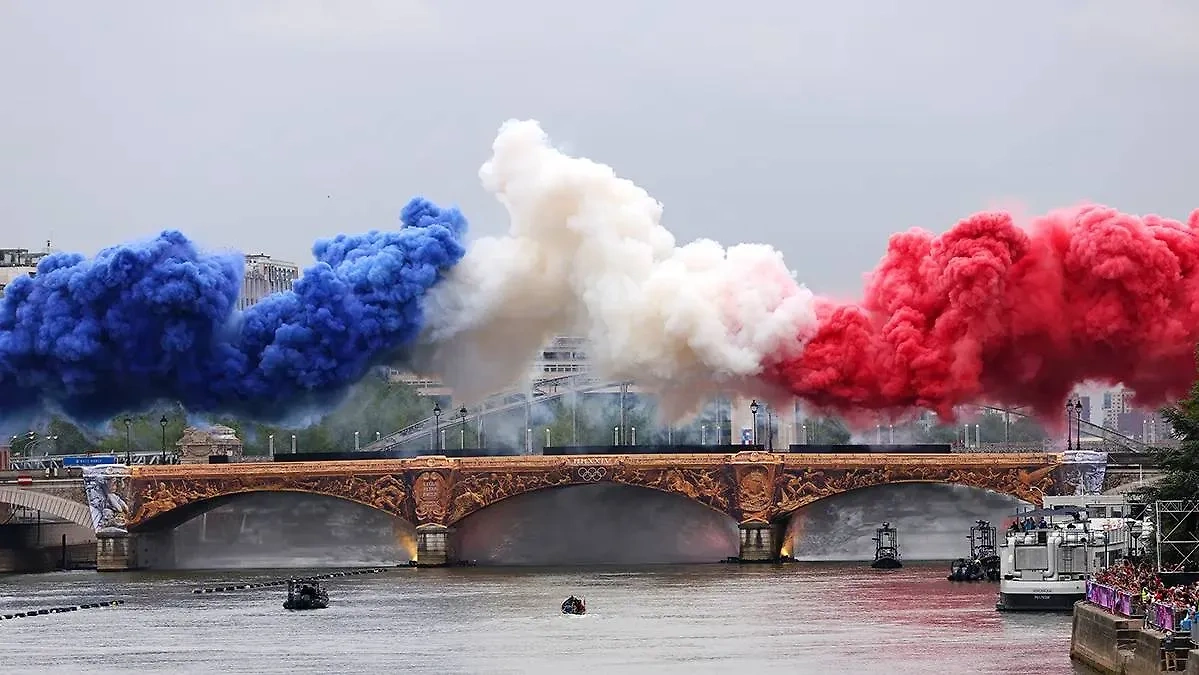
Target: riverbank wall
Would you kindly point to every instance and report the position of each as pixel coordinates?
(1118, 645)
(42, 547)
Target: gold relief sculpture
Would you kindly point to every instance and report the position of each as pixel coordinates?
(754, 492)
(153, 498)
(798, 488)
(431, 494)
(474, 491)
(444, 491)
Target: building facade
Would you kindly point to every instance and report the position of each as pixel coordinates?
(265, 276)
(18, 262)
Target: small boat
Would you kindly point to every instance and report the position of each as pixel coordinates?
(306, 595)
(966, 570)
(886, 548)
(573, 605)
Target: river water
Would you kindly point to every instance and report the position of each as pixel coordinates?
(800, 618)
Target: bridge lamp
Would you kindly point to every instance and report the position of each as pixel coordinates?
(462, 428)
(163, 423)
(1078, 419)
(128, 455)
(436, 421)
(753, 408)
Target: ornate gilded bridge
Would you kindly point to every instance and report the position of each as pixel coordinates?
(758, 489)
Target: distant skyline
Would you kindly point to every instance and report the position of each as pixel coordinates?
(819, 128)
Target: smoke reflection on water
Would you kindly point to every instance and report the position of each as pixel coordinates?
(585, 524)
(596, 524)
(933, 521)
(287, 529)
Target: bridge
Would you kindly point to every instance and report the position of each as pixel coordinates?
(134, 509)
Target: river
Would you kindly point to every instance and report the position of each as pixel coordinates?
(800, 618)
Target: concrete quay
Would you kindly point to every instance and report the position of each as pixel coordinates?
(1118, 645)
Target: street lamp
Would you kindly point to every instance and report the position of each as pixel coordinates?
(163, 423)
(436, 424)
(1078, 418)
(753, 408)
(128, 454)
(769, 429)
(1069, 426)
(462, 428)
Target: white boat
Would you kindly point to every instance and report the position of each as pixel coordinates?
(1046, 568)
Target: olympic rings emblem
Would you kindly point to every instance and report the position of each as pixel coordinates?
(591, 474)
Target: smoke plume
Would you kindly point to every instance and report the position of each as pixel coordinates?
(989, 311)
(155, 321)
(586, 254)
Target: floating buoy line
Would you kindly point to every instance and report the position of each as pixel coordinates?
(214, 589)
(283, 582)
(61, 610)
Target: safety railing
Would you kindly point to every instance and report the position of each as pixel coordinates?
(1113, 599)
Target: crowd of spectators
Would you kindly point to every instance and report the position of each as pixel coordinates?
(1142, 581)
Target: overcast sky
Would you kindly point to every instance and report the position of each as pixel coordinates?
(817, 127)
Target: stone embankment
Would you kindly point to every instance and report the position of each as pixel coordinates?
(1119, 645)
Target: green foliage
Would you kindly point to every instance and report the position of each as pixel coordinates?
(374, 405)
(1180, 466)
(827, 431)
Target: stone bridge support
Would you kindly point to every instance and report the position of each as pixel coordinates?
(761, 542)
(434, 546)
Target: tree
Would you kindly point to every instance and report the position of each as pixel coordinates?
(1180, 465)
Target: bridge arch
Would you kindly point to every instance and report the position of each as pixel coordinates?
(165, 504)
(798, 488)
(74, 511)
(709, 487)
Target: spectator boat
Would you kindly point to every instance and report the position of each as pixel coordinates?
(1049, 553)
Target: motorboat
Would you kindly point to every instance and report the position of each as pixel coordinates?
(886, 548)
(305, 595)
(962, 569)
(573, 605)
(983, 562)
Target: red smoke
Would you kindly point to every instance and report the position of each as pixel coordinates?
(992, 313)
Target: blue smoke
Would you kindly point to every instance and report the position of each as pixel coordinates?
(150, 322)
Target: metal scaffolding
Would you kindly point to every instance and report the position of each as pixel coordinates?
(1177, 526)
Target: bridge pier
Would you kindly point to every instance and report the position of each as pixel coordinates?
(123, 551)
(433, 546)
(760, 542)
(115, 552)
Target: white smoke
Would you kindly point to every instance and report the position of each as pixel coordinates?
(585, 254)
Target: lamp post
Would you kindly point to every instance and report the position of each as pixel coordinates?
(163, 423)
(1078, 419)
(293, 444)
(436, 426)
(128, 453)
(703, 434)
(769, 429)
(753, 408)
(270, 446)
(462, 428)
(1070, 427)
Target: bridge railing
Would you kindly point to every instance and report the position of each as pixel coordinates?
(56, 461)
